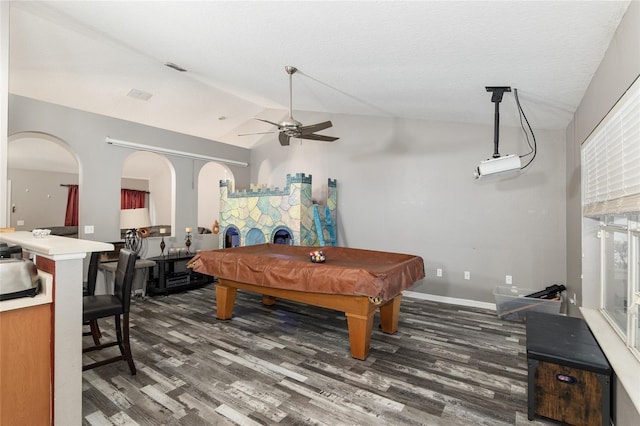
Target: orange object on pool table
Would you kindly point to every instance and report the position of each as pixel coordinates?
(354, 281)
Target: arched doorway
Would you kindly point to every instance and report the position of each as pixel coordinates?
(231, 237)
(282, 235)
(151, 175)
(42, 170)
(209, 179)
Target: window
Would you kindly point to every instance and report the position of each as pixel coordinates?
(634, 319)
(611, 196)
(619, 270)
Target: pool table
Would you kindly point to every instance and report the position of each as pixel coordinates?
(355, 281)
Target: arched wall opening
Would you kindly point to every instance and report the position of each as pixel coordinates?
(209, 202)
(154, 174)
(40, 167)
(282, 235)
(231, 237)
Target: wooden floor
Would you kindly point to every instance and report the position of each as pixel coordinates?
(289, 364)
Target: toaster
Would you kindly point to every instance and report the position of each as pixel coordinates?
(18, 278)
(10, 251)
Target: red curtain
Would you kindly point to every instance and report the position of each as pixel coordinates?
(132, 199)
(71, 216)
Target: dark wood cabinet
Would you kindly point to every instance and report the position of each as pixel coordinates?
(568, 375)
(171, 274)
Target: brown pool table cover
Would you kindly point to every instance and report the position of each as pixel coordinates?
(346, 271)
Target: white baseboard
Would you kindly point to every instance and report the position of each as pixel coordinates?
(450, 300)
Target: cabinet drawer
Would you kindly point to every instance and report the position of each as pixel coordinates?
(568, 394)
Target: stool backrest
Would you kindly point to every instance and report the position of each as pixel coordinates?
(124, 277)
(92, 274)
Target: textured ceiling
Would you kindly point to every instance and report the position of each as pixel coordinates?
(425, 59)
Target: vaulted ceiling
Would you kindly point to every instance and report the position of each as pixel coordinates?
(424, 60)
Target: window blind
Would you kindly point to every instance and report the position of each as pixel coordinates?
(611, 160)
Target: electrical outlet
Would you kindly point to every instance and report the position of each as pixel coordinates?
(467, 275)
(20, 222)
(508, 279)
(439, 272)
(88, 229)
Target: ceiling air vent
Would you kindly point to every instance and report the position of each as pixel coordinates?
(139, 94)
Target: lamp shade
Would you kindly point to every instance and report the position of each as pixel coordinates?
(134, 218)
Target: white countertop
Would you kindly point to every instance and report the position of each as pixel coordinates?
(53, 244)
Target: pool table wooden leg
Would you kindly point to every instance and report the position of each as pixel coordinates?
(268, 300)
(225, 299)
(360, 328)
(389, 314)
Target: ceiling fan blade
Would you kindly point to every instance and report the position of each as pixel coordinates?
(267, 121)
(284, 139)
(318, 138)
(312, 128)
(256, 133)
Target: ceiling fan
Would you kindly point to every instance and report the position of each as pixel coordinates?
(292, 128)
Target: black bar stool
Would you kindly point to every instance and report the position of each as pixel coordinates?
(116, 305)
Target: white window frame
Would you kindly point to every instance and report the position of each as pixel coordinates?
(611, 188)
(630, 334)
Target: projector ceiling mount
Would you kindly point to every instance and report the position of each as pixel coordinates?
(497, 164)
(496, 98)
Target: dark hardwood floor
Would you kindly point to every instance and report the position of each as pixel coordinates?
(289, 364)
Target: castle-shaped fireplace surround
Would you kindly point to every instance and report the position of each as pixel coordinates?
(286, 216)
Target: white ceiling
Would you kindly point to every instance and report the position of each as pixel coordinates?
(412, 59)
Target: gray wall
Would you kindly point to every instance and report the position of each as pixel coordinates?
(39, 199)
(100, 164)
(407, 186)
(618, 69)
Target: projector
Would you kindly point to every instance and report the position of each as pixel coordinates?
(493, 166)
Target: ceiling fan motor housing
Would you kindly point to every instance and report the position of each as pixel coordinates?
(290, 125)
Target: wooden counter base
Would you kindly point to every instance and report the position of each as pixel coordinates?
(25, 366)
(358, 309)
